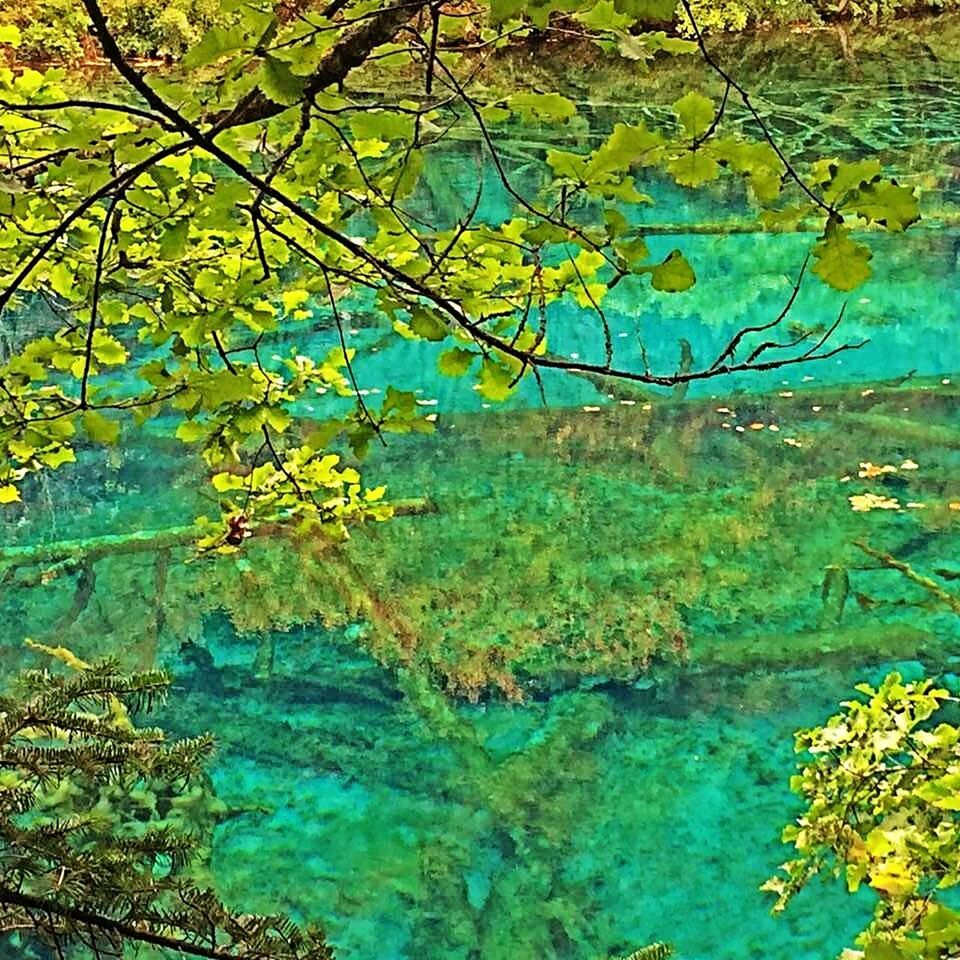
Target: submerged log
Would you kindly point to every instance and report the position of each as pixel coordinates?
(931, 586)
(68, 556)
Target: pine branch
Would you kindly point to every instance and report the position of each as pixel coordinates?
(79, 864)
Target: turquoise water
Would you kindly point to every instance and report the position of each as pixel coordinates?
(400, 796)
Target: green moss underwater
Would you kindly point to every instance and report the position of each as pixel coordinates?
(551, 714)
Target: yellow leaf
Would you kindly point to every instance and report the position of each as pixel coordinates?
(893, 878)
(370, 148)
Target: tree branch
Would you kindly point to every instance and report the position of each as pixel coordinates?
(350, 51)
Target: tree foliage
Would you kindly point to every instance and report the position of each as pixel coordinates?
(103, 823)
(882, 784)
(167, 234)
(59, 29)
(740, 14)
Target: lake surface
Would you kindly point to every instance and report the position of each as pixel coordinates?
(554, 717)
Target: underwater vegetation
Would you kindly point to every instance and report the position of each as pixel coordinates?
(444, 828)
(429, 589)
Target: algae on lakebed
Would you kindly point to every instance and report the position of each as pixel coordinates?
(571, 546)
(638, 792)
(572, 827)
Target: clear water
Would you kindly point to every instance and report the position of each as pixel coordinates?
(386, 781)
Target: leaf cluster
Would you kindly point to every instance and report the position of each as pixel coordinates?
(882, 787)
(196, 247)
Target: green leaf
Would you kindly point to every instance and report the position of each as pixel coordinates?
(626, 147)
(29, 81)
(455, 362)
(634, 251)
(216, 43)
(222, 482)
(603, 16)
(495, 380)
(190, 431)
(427, 325)
(57, 457)
(673, 275)
(695, 113)
(886, 203)
(108, 350)
(660, 11)
(292, 299)
(409, 175)
(403, 402)
(62, 279)
(694, 168)
(572, 166)
(226, 387)
(842, 263)
(673, 45)
(365, 149)
(381, 125)
(173, 240)
(543, 106)
(279, 83)
(99, 428)
(494, 114)
(634, 48)
(784, 220)
(501, 10)
(840, 178)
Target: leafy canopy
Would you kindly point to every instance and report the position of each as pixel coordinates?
(191, 248)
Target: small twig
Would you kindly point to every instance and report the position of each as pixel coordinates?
(951, 600)
(95, 296)
(346, 356)
(731, 347)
